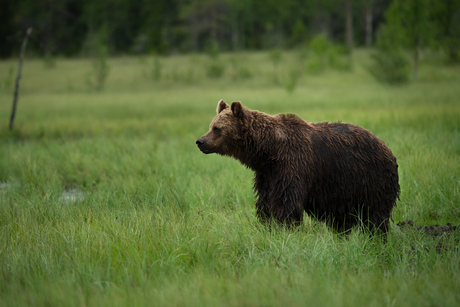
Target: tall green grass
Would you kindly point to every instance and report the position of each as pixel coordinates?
(155, 222)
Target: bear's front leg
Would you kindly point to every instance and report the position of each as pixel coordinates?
(283, 209)
(278, 199)
(263, 211)
(287, 211)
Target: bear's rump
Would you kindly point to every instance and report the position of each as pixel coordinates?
(354, 177)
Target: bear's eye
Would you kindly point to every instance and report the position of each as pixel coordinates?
(216, 130)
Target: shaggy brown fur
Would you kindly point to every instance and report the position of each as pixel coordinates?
(339, 173)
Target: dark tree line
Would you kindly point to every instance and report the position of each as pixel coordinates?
(66, 27)
(69, 27)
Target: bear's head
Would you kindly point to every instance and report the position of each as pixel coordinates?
(225, 131)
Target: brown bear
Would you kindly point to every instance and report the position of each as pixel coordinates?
(338, 173)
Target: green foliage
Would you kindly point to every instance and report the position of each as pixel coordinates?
(299, 33)
(105, 199)
(340, 58)
(8, 79)
(240, 68)
(409, 25)
(390, 65)
(101, 68)
(99, 53)
(291, 80)
(275, 56)
(416, 22)
(156, 69)
(164, 26)
(244, 73)
(320, 45)
(325, 54)
(215, 68)
(212, 49)
(446, 23)
(49, 61)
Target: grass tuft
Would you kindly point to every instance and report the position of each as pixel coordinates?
(105, 199)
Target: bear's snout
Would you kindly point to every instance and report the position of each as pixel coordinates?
(202, 146)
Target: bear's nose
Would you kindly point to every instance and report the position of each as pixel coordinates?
(199, 142)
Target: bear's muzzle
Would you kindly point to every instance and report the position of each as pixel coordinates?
(203, 147)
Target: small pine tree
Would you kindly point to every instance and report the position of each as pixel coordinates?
(98, 49)
(390, 65)
(409, 25)
(446, 22)
(320, 46)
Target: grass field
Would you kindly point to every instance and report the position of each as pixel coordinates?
(106, 201)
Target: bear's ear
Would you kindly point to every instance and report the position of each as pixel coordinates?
(221, 105)
(237, 109)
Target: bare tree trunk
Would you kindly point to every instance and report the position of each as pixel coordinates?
(368, 21)
(349, 24)
(18, 78)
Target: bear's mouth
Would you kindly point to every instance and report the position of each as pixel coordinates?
(205, 151)
(203, 146)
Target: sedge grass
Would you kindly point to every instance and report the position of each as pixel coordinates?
(158, 223)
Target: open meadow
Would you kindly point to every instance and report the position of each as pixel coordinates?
(105, 200)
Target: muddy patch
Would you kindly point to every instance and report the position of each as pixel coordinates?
(432, 230)
(445, 237)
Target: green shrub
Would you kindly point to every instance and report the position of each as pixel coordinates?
(244, 73)
(340, 58)
(215, 69)
(275, 56)
(100, 67)
(49, 61)
(320, 45)
(8, 81)
(156, 69)
(99, 53)
(390, 67)
(325, 54)
(291, 80)
(240, 72)
(389, 63)
(299, 33)
(314, 65)
(212, 49)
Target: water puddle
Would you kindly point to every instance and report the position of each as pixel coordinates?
(72, 196)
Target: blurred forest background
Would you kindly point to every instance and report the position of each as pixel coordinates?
(105, 199)
(74, 27)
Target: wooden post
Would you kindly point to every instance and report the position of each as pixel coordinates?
(18, 78)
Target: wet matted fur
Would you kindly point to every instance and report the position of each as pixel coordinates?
(338, 173)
